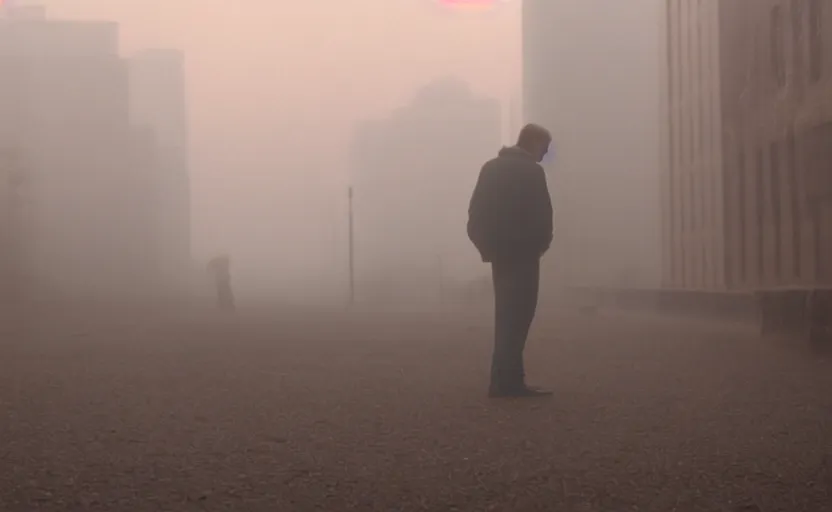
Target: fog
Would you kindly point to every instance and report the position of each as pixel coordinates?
(601, 96)
(289, 104)
(236, 273)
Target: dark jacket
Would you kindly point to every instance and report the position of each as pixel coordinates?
(510, 215)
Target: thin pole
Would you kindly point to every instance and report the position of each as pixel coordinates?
(351, 248)
(440, 277)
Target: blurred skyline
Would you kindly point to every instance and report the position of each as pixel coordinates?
(275, 89)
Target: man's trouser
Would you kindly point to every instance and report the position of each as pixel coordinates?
(225, 297)
(516, 285)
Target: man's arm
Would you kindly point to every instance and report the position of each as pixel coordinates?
(543, 210)
(480, 210)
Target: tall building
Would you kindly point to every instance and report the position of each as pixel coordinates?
(591, 75)
(747, 188)
(157, 102)
(28, 33)
(694, 181)
(413, 174)
(10, 244)
(64, 107)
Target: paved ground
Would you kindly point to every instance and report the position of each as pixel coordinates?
(303, 412)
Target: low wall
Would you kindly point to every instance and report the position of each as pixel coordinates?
(798, 313)
(805, 313)
(733, 306)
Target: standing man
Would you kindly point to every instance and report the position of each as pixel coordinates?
(220, 269)
(510, 223)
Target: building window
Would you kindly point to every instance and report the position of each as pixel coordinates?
(671, 144)
(818, 155)
(794, 199)
(691, 201)
(672, 97)
(759, 220)
(677, 51)
(797, 36)
(698, 218)
(690, 64)
(819, 160)
(778, 48)
(701, 79)
(776, 207)
(681, 204)
(742, 190)
(703, 128)
(686, 195)
(815, 11)
(671, 43)
(692, 131)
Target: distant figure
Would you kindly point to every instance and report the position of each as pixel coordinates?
(510, 223)
(220, 269)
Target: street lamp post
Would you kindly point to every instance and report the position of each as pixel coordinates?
(351, 247)
(11, 256)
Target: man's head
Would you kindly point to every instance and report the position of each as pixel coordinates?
(535, 139)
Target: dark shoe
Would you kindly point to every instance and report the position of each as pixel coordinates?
(524, 392)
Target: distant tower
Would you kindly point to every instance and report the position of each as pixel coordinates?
(514, 119)
(22, 10)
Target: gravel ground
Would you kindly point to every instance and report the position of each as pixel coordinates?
(300, 411)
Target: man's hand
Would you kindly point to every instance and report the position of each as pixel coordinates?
(547, 245)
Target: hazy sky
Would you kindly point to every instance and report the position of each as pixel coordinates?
(275, 87)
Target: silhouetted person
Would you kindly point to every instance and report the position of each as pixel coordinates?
(220, 269)
(510, 223)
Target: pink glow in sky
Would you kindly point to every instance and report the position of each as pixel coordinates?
(472, 2)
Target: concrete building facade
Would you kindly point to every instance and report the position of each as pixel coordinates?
(694, 230)
(84, 203)
(747, 187)
(10, 243)
(157, 102)
(71, 132)
(591, 75)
